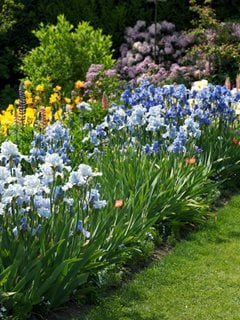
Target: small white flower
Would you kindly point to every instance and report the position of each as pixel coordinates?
(4, 173)
(43, 206)
(76, 179)
(9, 149)
(199, 85)
(47, 173)
(2, 207)
(15, 231)
(32, 184)
(85, 170)
(14, 191)
(54, 160)
(83, 106)
(99, 204)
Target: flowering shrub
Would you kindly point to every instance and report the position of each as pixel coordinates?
(35, 110)
(216, 44)
(161, 54)
(101, 82)
(154, 52)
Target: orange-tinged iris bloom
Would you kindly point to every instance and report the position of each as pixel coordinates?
(118, 203)
(235, 141)
(190, 160)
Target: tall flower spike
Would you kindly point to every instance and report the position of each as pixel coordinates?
(43, 117)
(105, 102)
(22, 106)
(238, 82)
(15, 116)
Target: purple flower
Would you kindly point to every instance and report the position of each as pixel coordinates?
(80, 229)
(24, 225)
(110, 73)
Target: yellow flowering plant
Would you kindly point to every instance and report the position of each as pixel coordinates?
(40, 109)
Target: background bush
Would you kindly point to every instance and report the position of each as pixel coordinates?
(64, 55)
(155, 52)
(112, 16)
(216, 45)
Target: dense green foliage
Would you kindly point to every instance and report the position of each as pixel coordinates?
(64, 55)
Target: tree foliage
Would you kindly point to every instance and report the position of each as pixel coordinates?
(8, 11)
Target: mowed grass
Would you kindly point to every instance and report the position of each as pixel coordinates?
(199, 279)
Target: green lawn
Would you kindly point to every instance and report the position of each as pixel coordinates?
(199, 279)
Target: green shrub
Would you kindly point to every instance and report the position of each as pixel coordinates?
(64, 54)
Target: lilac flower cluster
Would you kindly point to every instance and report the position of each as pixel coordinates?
(94, 72)
(31, 199)
(236, 30)
(216, 51)
(170, 117)
(145, 56)
(102, 84)
(158, 52)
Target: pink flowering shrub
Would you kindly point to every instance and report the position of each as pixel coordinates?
(154, 52)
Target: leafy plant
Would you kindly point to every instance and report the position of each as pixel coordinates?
(216, 44)
(65, 54)
(55, 238)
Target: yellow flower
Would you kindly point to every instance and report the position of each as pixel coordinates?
(79, 85)
(27, 83)
(30, 116)
(48, 113)
(67, 100)
(53, 98)
(57, 89)
(37, 99)
(6, 120)
(78, 100)
(10, 108)
(98, 83)
(58, 115)
(27, 93)
(40, 88)
(29, 100)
